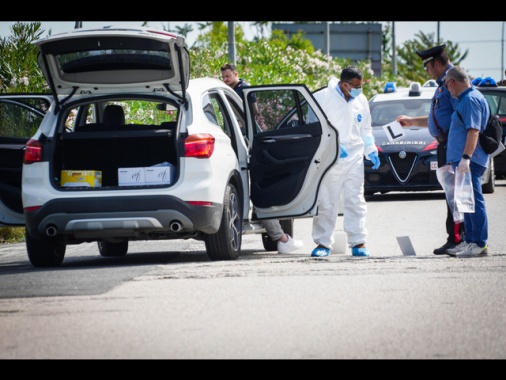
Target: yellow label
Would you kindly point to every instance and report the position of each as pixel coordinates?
(87, 178)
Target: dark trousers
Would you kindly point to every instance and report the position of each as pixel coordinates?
(454, 230)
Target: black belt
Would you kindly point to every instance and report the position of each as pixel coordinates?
(441, 139)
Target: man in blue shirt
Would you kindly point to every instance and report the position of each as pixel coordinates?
(465, 154)
(437, 63)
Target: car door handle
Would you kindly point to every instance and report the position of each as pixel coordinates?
(270, 139)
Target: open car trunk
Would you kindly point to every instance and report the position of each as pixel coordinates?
(133, 146)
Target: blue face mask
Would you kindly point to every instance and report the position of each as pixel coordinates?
(355, 92)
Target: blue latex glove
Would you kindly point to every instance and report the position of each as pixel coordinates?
(373, 156)
(343, 151)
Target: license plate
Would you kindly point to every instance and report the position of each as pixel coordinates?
(433, 165)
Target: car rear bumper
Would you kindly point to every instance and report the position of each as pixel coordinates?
(123, 217)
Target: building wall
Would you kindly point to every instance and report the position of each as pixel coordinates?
(357, 42)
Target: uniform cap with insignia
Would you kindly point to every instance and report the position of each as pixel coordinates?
(430, 54)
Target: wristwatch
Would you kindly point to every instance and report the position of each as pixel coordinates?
(466, 156)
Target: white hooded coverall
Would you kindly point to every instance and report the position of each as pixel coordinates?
(353, 122)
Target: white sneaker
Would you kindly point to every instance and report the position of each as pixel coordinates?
(290, 246)
(472, 249)
(458, 248)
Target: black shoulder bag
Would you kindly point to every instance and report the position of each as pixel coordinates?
(491, 137)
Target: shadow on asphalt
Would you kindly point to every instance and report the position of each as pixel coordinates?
(405, 196)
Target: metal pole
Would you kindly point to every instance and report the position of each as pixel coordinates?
(502, 55)
(231, 42)
(394, 51)
(327, 38)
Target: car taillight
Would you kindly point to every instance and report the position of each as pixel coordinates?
(33, 152)
(200, 145)
(432, 146)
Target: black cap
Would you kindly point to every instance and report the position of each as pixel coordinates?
(429, 54)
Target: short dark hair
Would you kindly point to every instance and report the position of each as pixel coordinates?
(351, 72)
(229, 66)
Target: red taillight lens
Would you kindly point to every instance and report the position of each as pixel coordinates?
(33, 152)
(200, 145)
(200, 203)
(432, 146)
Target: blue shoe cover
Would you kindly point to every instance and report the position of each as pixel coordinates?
(320, 252)
(363, 252)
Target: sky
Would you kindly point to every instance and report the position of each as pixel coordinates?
(484, 40)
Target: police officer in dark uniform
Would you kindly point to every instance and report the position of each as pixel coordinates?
(436, 62)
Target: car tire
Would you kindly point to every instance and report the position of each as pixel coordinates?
(226, 243)
(107, 249)
(489, 186)
(45, 252)
(271, 245)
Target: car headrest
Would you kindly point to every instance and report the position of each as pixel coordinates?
(114, 115)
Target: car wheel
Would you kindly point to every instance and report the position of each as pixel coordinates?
(226, 243)
(45, 252)
(271, 245)
(489, 186)
(107, 249)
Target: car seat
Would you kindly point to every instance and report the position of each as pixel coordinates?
(113, 115)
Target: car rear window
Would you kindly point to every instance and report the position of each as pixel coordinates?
(114, 60)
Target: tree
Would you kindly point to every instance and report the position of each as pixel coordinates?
(264, 60)
(19, 71)
(409, 63)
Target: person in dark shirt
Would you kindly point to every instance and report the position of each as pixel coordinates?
(230, 76)
(285, 243)
(437, 63)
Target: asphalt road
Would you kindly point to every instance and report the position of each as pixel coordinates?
(166, 300)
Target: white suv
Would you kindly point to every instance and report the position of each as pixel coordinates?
(132, 149)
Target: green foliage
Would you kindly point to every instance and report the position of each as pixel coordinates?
(19, 71)
(12, 234)
(217, 34)
(279, 60)
(15, 122)
(409, 63)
